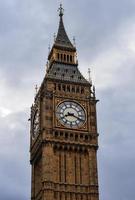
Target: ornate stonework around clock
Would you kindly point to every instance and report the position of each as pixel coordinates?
(64, 138)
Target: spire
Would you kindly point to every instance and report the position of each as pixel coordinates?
(62, 39)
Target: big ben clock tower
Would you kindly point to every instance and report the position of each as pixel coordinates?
(64, 138)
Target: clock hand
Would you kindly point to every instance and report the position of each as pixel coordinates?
(78, 118)
(73, 115)
(65, 116)
(69, 114)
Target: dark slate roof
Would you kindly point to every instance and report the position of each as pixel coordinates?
(62, 39)
(65, 72)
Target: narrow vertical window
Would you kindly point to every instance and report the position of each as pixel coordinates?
(68, 88)
(77, 89)
(67, 58)
(65, 166)
(64, 57)
(80, 169)
(75, 169)
(59, 87)
(60, 166)
(82, 90)
(55, 195)
(73, 89)
(60, 196)
(81, 197)
(71, 59)
(61, 57)
(63, 87)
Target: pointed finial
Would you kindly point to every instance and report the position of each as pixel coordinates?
(49, 49)
(89, 73)
(61, 10)
(47, 66)
(54, 37)
(36, 89)
(74, 41)
(94, 91)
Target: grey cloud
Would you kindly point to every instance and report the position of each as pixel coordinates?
(14, 168)
(102, 21)
(116, 154)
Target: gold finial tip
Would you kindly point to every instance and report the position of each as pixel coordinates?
(61, 10)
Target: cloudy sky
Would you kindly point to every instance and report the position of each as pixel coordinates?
(105, 37)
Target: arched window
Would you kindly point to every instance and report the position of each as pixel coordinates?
(61, 57)
(76, 137)
(59, 87)
(77, 90)
(82, 90)
(66, 135)
(73, 89)
(81, 136)
(63, 87)
(56, 134)
(71, 135)
(86, 137)
(68, 88)
(71, 59)
(64, 57)
(72, 77)
(61, 133)
(67, 58)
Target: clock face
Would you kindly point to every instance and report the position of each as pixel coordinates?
(70, 114)
(35, 123)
